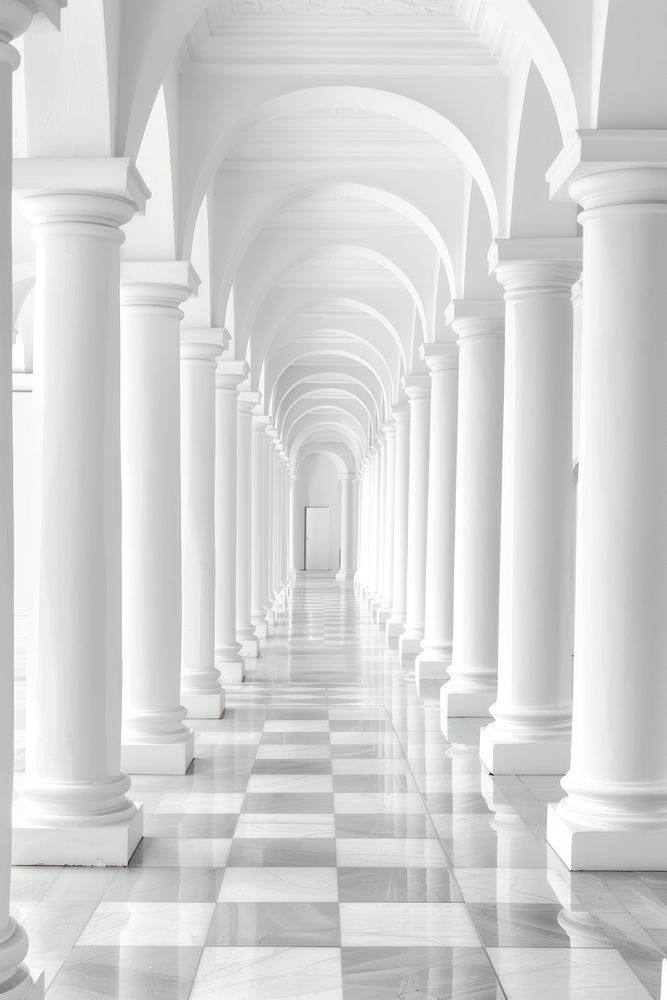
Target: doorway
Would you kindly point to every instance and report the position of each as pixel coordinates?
(318, 538)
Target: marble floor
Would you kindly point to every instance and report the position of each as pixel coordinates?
(329, 843)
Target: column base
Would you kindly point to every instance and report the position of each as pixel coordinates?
(157, 758)
(204, 706)
(393, 630)
(35, 989)
(18, 983)
(525, 757)
(410, 645)
(249, 648)
(383, 616)
(89, 846)
(465, 704)
(585, 849)
(260, 628)
(231, 672)
(431, 668)
(344, 575)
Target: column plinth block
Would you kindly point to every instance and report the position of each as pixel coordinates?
(108, 845)
(260, 628)
(523, 756)
(409, 644)
(432, 664)
(204, 706)
(157, 757)
(248, 641)
(458, 704)
(231, 671)
(583, 848)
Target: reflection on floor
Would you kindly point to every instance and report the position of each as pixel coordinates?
(330, 843)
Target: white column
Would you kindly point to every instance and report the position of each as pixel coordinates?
(615, 813)
(15, 979)
(154, 739)
(531, 732)
(442, 361)
(245, 631)
(378, 524)
(471, 688)
(369, 589)
(228, 659)
(384, 611)
(272, 532)
(296, 540)
(73, 807)
(396, 622)
(201, 692)
(347, 526)
(258, 494)
(362, 532)
(418, 390)
(280, 540)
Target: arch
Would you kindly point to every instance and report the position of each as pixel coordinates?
(341, 189)
(370, 99)
(365, 253)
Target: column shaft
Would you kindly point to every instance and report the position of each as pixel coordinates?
(228, 659)
(201, 692)
(245, 631)
(473, 673)
(436, 654)
(396, 621)
(154, 739)
(615, 813)
(15, 979)
(384, 611)
(347, 526)
(417, 388)
(73, 807)
(258, 532)
(531, 732)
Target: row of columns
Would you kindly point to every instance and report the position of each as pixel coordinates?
(145, 576)
(483, 507)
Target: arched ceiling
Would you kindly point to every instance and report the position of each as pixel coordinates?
(336, 170)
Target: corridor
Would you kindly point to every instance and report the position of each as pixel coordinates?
(329, 843)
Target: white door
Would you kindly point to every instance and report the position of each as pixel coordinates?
(318, 537)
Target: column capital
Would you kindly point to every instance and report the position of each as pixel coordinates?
(271, 432)
(599, 168)
(346, 478)
(440, 357)
(153, 285)
(294, 477)
(401, 413)
(416, 386)
(203, 343)
(230, 374)
(103, 190)
(15, 18)
(259, 422)
(536, 266)
(476, 318)
(389, 428)
(246, 401)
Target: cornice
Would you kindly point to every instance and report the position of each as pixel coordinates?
(596, 151)
(115, 177)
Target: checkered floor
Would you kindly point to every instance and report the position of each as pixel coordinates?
(329, 843)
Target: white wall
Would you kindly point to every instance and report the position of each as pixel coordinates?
(25, 470)
(318, 486)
